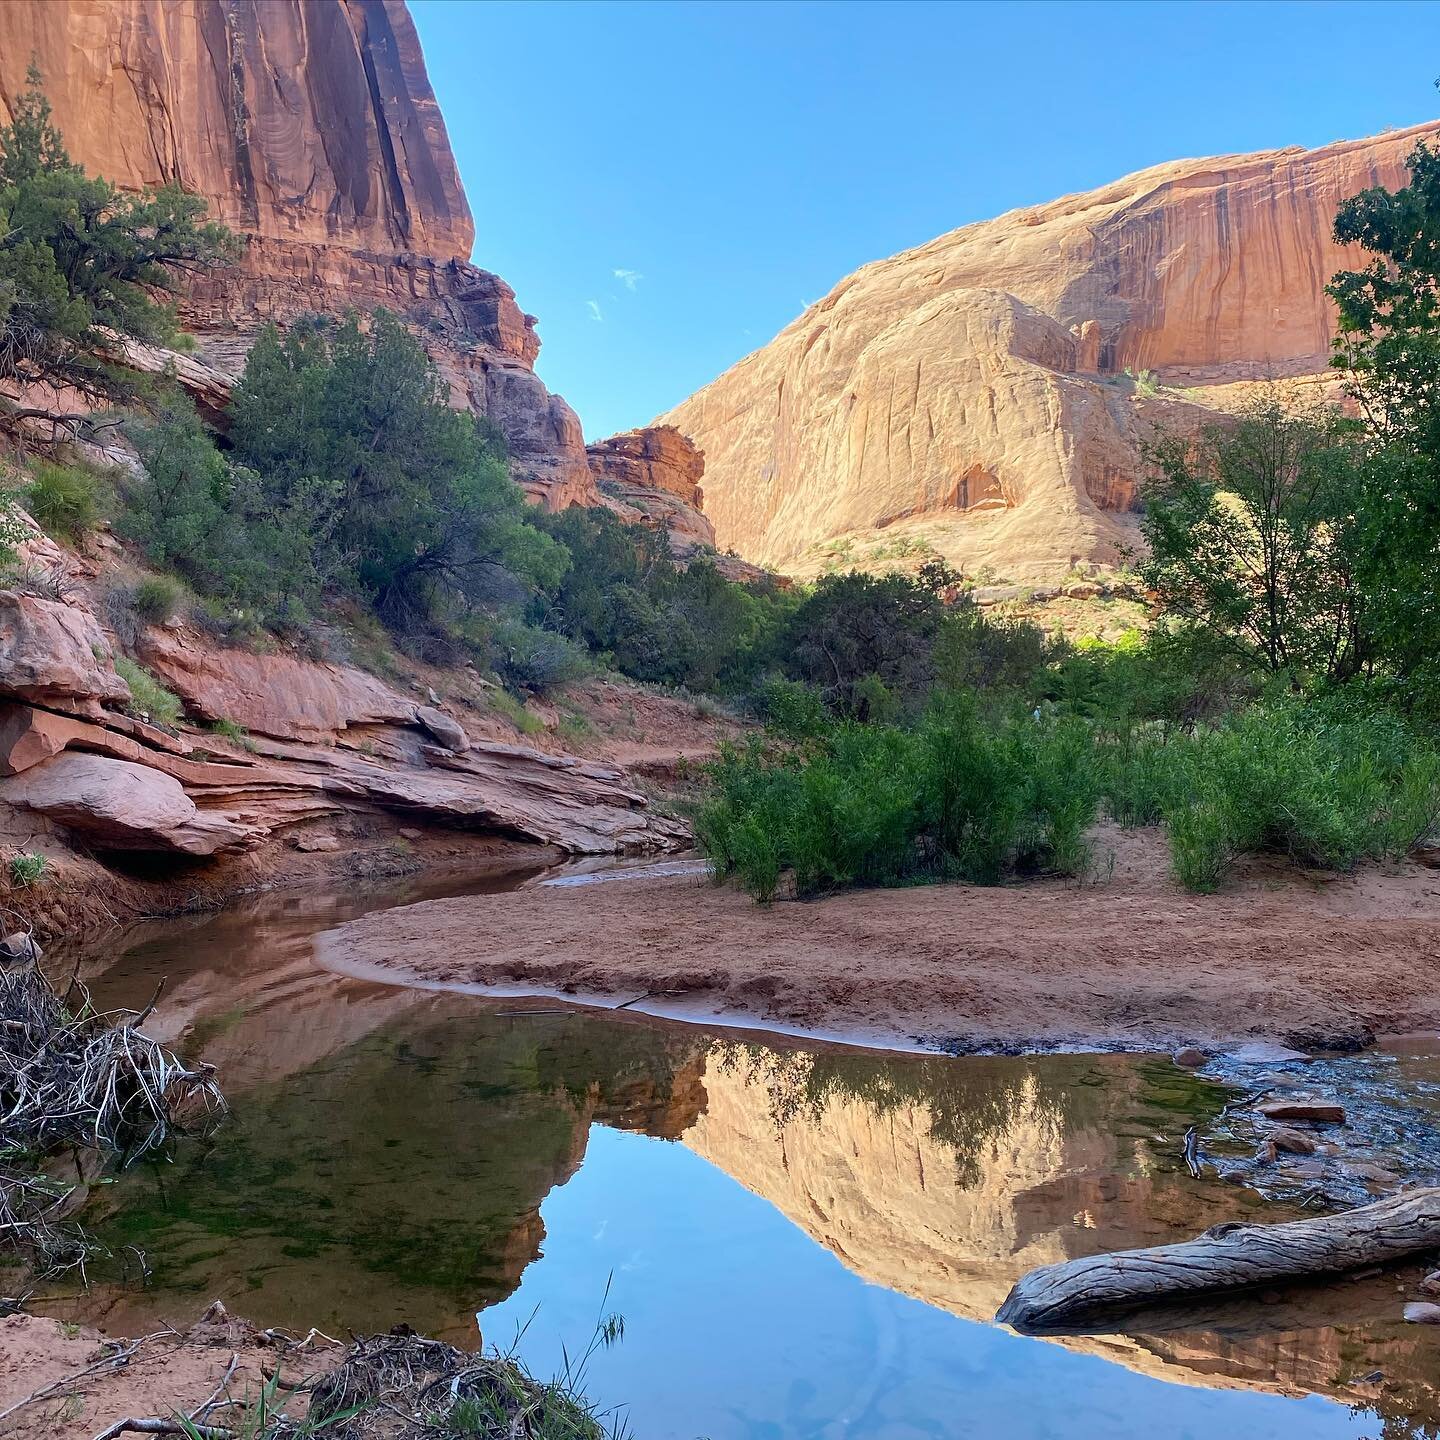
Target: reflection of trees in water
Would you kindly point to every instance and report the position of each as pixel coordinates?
(970, 1102)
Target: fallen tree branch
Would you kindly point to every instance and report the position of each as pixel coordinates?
(157, 1425)
(1234, 1256)
(117, 1360)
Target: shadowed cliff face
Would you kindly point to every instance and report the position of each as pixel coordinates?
(970, 394)
(311, 122)
(311, 129)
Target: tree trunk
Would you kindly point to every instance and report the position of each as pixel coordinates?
(1232, 1256)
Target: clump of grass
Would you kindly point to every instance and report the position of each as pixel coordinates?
(27, 868)
(67, 500)
(503, 703)
(1277, 779)
(156, 599)
(149, 699)
(236, 734)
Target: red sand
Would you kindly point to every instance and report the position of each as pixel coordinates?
(1127, 958)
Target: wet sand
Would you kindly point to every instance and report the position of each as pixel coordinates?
(1125, 960)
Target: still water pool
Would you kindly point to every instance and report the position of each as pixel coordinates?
(803, 1241)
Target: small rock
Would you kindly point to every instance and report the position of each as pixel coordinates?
(408, 832)
(1430, 1285)
(1372, 1174)
(1190, 1057)
(19, 946)
(1422, 1312)
(1292, 1142)
(312, 843)
(448, 732)
(434, 698)
(1319, 1112)
(1266, 1153)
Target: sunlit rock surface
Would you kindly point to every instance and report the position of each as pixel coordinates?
(968, 397)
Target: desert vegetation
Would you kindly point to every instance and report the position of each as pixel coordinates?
(1284, 702)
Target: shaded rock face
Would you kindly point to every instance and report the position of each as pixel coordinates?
(970, 393)
(652, 477)
(310, 129)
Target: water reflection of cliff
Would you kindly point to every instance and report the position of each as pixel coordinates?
(391, 1151)
(947, 1182)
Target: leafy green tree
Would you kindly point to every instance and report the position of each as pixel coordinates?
(624, 596)
(1389, 345)
(81, 262)
(407, 504)
(1250, 539)
(853, 626)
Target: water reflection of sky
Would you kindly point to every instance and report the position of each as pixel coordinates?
(739, 1327)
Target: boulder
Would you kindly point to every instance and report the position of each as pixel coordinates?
(1422, 1312)
(120, 805)
(446, 730)
(1190, 1058)
(278, 695)
(56, 655)
(1316, 1111)
(1292, 1142)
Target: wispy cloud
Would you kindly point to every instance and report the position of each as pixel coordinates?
(628, 278)
(595, 311)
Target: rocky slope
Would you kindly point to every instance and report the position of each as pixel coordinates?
(970, 397)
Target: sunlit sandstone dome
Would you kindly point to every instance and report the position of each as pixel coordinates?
(969, 397)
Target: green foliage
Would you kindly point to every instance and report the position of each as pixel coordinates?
(529, 660)
(406, 503)
(625, 598)
(852, 626)
(149, 699)
(27, 868)
(1250, 540)
(66, 499)
(1279, 778)
(82, 260)
(525, 721)
(348, 477)
(157, 598)
(954, 797)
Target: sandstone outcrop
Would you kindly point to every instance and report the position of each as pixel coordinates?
(325, 740)
(969, 397)
(119, 805)
(311, 130)
(652, 477)
(56, 655)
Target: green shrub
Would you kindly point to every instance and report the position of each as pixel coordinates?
(534, 661)
(157, 598)
(27, 869)
(149, 699)
(956, 797)
(1294, 781)
(513, 710)
(67, 501)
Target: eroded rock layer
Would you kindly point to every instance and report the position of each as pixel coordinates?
(311, 130)
(970, 396)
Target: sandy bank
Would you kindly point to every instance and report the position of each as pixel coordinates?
(1127, 959)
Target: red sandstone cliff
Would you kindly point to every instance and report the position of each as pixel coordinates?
(969, 395)
(311, 129)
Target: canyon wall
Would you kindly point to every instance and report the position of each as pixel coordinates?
(970, 396)
(311, 130)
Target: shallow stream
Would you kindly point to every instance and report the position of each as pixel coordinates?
(803, 1240)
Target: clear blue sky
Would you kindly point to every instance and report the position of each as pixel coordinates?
(736, 159)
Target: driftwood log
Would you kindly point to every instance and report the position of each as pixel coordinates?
(1233, 1256)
